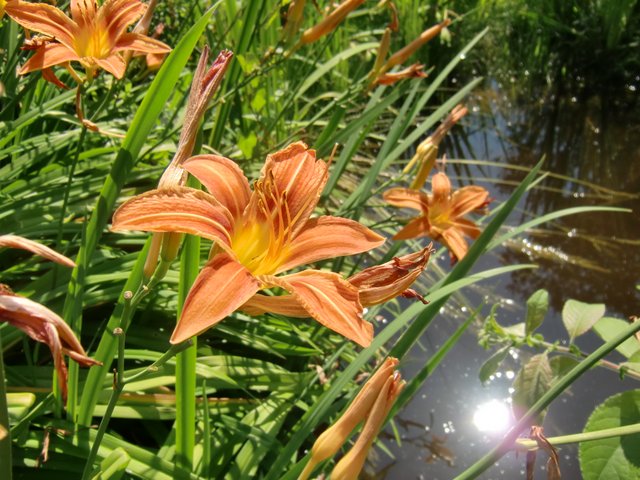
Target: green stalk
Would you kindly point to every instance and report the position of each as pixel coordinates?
(5, 443)
(526, 444)
(556, 389)
(186, 363)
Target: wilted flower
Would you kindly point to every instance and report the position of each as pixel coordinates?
(258, 235)
(427, 151)
(14, 241)
(413, 71)
(94, 35)
(38, 321)
(441, 213)
(375, 285)
(330, 22)
(44, 326)
(371, 405)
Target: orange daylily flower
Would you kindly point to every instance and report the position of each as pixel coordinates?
(441, 213)
(427, 151)
(330, 22)
(375, 285)
(38, 321)
(258, 235)
(94, 35)
(372, 404)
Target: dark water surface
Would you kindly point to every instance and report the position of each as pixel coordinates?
(593, 258)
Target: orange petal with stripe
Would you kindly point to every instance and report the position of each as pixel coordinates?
(330, 300)
(222, 286)
(328, 237)
(298, 176)
(468, 199)
(42, 18)
(140, 43)
(114, 64)
(180, 209)
(48, 55)
(286, 305)
(417, 227)
(406, 198)
(224, 180)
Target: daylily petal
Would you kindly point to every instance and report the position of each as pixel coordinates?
(119, 14)
(380, 283)
(114, 64)
(220, 288)
(406, 198)
(441, 187)
(468, 199)
(224, 180)
(455, 242)
(298, 175)
(467, 227)
(330, 300)
(140, 43)
(43, 18)
(417, 227)
(48, 55)
(286, 305)
(14, 241)
(179, 209)
(82, 11)
(328, 237)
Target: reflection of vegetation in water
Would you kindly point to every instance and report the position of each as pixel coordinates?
(594, 257)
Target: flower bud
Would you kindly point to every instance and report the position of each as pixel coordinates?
(330, 22)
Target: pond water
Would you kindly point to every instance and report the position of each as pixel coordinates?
(590, 257)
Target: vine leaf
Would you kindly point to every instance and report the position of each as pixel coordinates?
(608, 327)
(489, 367)
(615, 457)
(532, 381)
(537, 307)
(579, 317)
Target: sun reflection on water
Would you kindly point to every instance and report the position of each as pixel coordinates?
(493, 416)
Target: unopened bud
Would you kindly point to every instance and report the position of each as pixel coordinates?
(403, 54)
(151, 261)
(170, 246)
(330, 22)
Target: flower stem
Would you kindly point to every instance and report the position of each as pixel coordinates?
(186, 364)
(526, 444)
(511, 437)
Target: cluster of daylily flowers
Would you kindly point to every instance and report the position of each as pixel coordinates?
(260, 233)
